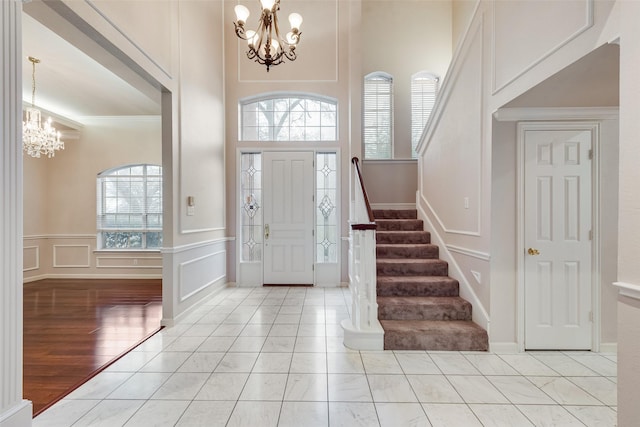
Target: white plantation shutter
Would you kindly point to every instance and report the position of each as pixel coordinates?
(378, 116)
(424, 89)
(129, 207)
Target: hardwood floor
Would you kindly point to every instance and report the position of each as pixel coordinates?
(74, 328)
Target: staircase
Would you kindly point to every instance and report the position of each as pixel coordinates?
(419, 306)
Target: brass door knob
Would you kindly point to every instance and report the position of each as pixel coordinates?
(532, 251)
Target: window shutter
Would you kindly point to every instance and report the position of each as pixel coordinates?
(378, 116)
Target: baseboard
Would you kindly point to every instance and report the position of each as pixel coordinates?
(609, 347)
(503, 347)
(369, 340)
(212, 291)
(399, 206)
(92, 276)
(19, 415)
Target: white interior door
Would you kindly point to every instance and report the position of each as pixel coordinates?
(557, 237)
(288, 217)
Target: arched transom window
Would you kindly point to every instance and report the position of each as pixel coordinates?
(288, 118)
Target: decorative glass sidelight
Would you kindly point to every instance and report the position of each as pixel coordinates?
(250, 202)
(326, 208)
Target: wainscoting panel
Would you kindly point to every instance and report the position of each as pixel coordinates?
(199, 273)
(71, 256)
(128, 262)
(30, 258)
(75, 256)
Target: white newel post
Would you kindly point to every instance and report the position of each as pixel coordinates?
(363, 330)
(14, 411)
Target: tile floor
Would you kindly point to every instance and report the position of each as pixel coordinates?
(274, 357)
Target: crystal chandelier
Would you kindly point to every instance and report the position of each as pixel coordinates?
(266, 46)
(38, 139)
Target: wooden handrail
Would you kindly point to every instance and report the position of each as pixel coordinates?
(355, 161)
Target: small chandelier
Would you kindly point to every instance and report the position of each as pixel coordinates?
(36, 138)
(266, 46)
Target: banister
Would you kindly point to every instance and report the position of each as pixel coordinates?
(355, 161)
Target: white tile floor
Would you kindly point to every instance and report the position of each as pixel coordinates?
(274, 357)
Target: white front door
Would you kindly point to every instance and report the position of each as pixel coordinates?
(288, 217)
(557, 238)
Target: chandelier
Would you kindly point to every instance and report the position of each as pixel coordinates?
(266, 46)
(38, 139)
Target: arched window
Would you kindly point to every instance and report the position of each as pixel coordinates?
(288, 117)
(378, 116)
(424, 89)
(129, 207)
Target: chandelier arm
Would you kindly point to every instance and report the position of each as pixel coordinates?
(240, 32)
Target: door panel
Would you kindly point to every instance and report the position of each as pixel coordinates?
(557, 218)
(288, 217)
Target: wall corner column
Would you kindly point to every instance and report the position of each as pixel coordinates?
(14, 411)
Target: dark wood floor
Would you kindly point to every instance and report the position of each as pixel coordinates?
(74, 328)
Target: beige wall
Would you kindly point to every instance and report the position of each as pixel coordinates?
(462, 12)
(402, 38)
(176, 56)
(60, 201)
(390, 182)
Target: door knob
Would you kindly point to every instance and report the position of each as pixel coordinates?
(532, 251)
(266, 232)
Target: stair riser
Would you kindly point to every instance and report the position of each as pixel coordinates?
(390, 237)
(434, 342)
(445, 289)
(395, 214)
(400, 225)
(400, 252)
(401, 269)
(417, 312)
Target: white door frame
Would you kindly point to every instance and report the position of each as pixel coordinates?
(594, 128)
(323, 273)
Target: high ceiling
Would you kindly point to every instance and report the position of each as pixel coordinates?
(71, 84)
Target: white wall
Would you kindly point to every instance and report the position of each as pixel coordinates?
(503, 54)
(327, 64)
(629, 205)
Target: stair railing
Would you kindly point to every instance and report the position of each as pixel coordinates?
(363, 330)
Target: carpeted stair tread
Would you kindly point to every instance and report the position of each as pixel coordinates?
(400, 224)
(395, 213)
(434, 335)
(424, 250)
(412, 267)
(423, 308)
(403, 237)
(428, 286)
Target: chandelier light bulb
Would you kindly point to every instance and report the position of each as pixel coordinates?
(295, 19)
(242, 14)
(252, 38)
(267, 4)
